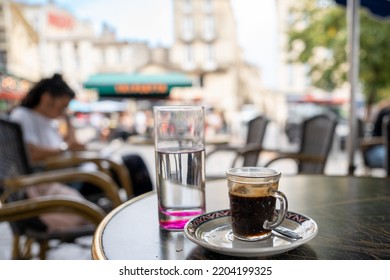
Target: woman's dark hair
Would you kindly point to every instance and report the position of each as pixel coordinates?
(55, 86)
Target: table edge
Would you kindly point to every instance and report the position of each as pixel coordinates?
(97, 250)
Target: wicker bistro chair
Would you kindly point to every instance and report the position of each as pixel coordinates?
(22, 213)
(367, 143)
(315, 144)
(386, 134)
(248, 153)
(105, 165)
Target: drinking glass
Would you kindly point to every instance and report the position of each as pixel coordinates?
(180, 164)
(253, 192)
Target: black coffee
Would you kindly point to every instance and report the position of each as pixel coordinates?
(249, 213)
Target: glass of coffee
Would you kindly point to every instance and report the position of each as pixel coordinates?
(252, 193)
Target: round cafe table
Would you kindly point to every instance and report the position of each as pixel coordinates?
(352, 214)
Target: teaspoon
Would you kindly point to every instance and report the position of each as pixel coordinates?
(287, 232)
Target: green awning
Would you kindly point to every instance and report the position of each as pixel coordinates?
(136, 85)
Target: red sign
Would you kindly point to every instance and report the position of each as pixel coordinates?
(60, 21)
(11, 95)
(142, 89)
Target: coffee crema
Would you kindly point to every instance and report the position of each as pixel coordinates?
(247, 190)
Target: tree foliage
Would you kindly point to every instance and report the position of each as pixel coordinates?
(318, 37)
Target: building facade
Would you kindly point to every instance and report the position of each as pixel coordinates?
(19, 61)
(206, 47)
(70, 46)
(18, 41)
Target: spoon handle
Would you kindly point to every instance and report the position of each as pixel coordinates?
(287, 232)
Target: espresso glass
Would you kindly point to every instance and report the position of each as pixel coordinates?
(253, 192)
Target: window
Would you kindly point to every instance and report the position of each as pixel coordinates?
(210, 55)
(35, 24)
(120, 54)
(208, 5)
(187, 6)
(188, 28)
(105, 59)
(209, 58)
(189, 58)
(59, 57)
(188, 54)
(76, 56)
(209, 27)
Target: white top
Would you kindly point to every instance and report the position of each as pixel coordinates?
(37, 129)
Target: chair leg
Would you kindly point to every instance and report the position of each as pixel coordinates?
(26, 253)
(43, 247)
(16, 255)
(21, 251)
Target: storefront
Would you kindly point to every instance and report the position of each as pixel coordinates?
(141, 86)
(12, 90)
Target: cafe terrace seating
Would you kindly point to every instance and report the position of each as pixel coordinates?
(105, 165)
(315, 144)
(22, 213)
(248, 153)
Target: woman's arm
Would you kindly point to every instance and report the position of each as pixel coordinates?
(39, 153)
(70, 137)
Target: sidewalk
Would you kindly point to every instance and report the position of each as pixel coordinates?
(63, 252)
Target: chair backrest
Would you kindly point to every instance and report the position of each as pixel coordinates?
(386, 135)
(317, 138)
(14, 159)
(256, 133)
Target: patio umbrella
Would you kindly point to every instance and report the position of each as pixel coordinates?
(380, 8)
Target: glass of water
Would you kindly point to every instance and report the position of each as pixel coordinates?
(180, 166)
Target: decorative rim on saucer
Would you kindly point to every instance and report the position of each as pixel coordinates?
(213, 231)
